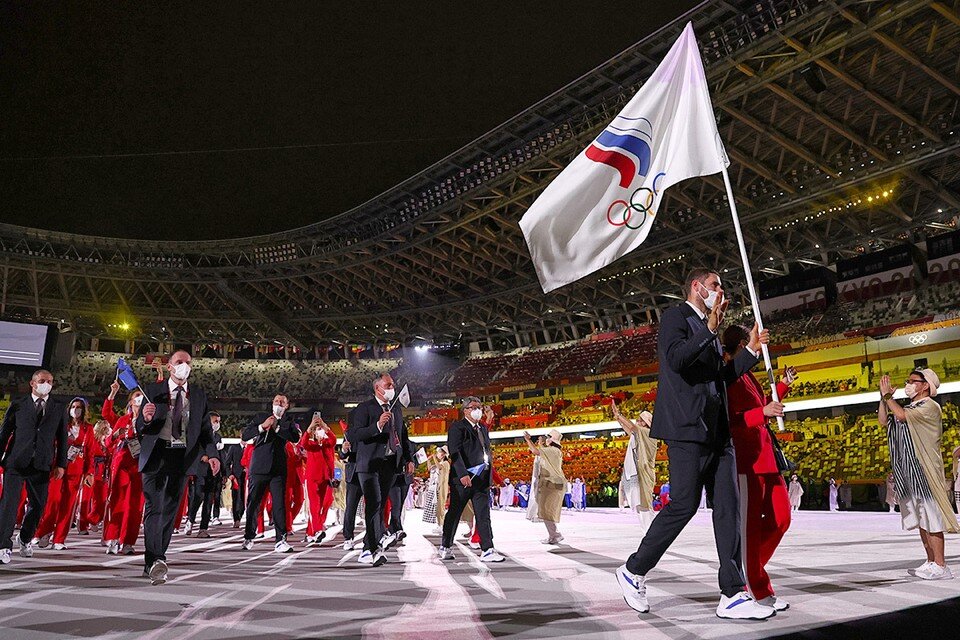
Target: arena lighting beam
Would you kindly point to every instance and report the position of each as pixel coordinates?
(790, 407)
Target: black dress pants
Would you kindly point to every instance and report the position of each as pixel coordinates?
(259, 484)
(354, 493)
(164, 479)
(37, 482)
(375, 486)
(477, 494)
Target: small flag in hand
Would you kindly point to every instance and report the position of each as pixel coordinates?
(126, 375)
(421, 456)
(477, 470)
(404, 397)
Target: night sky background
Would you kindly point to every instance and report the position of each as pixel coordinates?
(98, 104)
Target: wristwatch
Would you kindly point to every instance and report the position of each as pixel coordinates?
(886, 396)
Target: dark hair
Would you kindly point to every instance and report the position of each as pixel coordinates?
(213, 413)
(733, 336)
(697, 274)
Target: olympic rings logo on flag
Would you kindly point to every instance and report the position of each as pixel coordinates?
(642, 202)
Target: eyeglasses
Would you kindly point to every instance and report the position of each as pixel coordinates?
(915, 381)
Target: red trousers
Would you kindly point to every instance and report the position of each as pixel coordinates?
(184, 502)
(62, 498)
(765, 513)
(294, 491)
(321, 497)
(93, 503)
(125, 506)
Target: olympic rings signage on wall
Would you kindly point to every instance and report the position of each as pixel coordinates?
(918, 339)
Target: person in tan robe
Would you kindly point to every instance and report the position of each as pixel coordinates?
(639, 472)
(914, 432)
(551, 483)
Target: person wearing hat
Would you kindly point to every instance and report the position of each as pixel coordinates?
(914, 432)
(550, 482)
(443, 485)
(639, 473)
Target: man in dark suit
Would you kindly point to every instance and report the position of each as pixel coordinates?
(206, 483)
(468, 443)
(354, 493)
(398, 496)
(33, 442)
(174, 431)
(238, 482)
(691, 416)
(270, 433)
(380, 438)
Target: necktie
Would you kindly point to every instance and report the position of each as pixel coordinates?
(394, 441)
(176, 415)
(39, 410)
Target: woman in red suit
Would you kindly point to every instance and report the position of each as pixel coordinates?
(318, 441)
(125, 501)
(294, 489)
(64, 493)
(764, 503)
(93, 502)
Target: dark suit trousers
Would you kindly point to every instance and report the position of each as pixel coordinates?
(354, 493)
(201, 499)
(164, 479)
(259, 484)
(239, 497)
(376, 488)
(398, 495)
(694, 467)
(459, 497)
(13, 480)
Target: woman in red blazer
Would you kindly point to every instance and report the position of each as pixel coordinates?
(318, 441)
(764, 503)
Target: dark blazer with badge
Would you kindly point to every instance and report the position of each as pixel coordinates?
(270, 447)
(25, 443)
(199, 433)
(468, 448)
(369, 443)
(693, 379)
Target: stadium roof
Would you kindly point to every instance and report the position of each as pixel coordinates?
(824, 107)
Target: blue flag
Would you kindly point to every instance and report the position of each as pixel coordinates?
(475, 471)
(126, 375)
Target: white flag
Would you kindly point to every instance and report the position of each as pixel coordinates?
(404, 396)
(420, 456)
(602, 206)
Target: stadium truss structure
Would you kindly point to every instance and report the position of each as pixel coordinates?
(819, 104)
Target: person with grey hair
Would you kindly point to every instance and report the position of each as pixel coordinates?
(33, 449)
(468, 443)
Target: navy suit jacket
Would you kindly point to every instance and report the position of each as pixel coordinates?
(369, 443)
(270, 447)
(199, 435)
(467, 449)
(23, 441)
(693, 379)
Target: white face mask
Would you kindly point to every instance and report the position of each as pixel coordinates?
(43, 389)
(219, 446)
(911, 389)
(138, 401)
(476, 414)
(711, 300)
(182, 371)
(278, 411)
(76, 412)
(215, 425)
(388, 394)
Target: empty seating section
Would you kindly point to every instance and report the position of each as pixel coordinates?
(531, 367)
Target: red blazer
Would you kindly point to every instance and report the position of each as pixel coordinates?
(751, 439)
(82, 465)
(319, 457)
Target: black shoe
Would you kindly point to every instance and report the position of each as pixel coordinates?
(379, 558)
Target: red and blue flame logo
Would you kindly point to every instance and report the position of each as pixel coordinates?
(625, 146)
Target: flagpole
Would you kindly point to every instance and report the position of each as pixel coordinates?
(752, 289)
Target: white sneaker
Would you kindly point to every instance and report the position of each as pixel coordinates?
(216, 522)
(310, 539)
(365, 558)
(778, 604)
(187, 528)
(634, 589)
(379, 558)
(59, 546)
(388, 540)
(247, 545)
(742, 607)
(474, 545)
(5, 556)
(491, 555)
(113, 547)
(26, 550)
(934, 571)
(445, 554)
(126, 550)
(348, 545)
(283, 547)
(922, 567)
(158, 572)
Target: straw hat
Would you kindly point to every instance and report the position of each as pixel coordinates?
(932, 379)
(554, 435)
(646, 417)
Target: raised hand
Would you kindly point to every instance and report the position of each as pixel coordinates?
(715, 319)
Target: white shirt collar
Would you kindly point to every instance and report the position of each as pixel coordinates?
(700, 314)
(173, 386)
(36, 397)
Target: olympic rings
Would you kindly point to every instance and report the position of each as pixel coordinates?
(626, 213)
(643, 207)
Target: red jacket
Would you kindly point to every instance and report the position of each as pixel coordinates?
(122, 428)
(82, 464)
(748, 425)
(319, 456)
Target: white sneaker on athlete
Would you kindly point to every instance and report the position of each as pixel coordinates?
(348, 545)
(26, 550)
(113, 547)
(491, 555)
(5, 556)
(127, 550)
(922, 567)
(283, 547)
(366, 557)
(934, 571)
(446, 554)
(379, 558)
(778, 604)
(158, 572)
(59, 546)
(247, 545)
(634, 589)
(742, 607)
(388, 540)
(188, 528)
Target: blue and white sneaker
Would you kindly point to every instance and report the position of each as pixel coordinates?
(491, 555)
(366, 557)
(634, 589)
(446, 554)
(743, 607)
